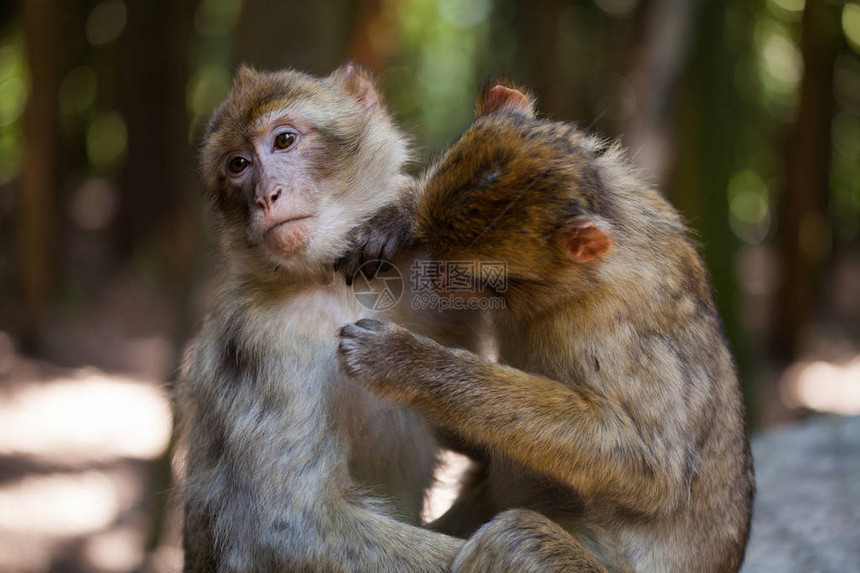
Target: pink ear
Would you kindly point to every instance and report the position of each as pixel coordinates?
(359, 84)
(500, 98)
(585, 241)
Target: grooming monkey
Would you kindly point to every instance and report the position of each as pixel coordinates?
(291, 466)
(614, 423)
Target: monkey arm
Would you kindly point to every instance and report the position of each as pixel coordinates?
(574, 434)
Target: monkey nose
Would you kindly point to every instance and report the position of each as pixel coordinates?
(267, 201)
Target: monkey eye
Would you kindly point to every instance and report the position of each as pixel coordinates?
(285, 140)
(237, 165)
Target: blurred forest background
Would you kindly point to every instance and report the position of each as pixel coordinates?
(746, 113)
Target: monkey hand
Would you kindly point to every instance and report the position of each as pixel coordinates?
(523, 541)
(392, 361)
(383, 237)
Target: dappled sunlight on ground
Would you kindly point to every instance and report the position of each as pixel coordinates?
(77, 449)
(88, 416)
(824, 386)
(61, 505)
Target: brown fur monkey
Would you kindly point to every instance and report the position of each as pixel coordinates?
(614, 422)
(290, 465)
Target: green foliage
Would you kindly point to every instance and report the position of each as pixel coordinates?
(13, 95)
(106, 141)
(432, 84)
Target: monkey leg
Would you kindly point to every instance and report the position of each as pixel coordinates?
(523, 541)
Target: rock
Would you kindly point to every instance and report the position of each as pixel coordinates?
(806, 516)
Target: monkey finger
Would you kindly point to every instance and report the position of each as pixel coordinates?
(364, 332)
(375, 246)
(349, 265)
(391, 244)
(370, 255)
(371, 324)
(371, 267)
(340, 264)
(391, 248)
(350, 331)
(357, 354)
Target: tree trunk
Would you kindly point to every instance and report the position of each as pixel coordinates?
(374, 37)
(540, 43)
(159, 203)
(308, 36)
(802, 232)
(155, 188)
(35, 200)
(658, 54)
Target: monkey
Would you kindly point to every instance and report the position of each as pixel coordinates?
(612, 423)
(288, 464)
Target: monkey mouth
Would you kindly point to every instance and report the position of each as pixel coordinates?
(289, 235)
(284, 222)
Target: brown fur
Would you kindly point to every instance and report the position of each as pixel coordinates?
(616, 410)
(290, 465)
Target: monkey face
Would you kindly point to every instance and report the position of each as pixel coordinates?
(268, 185)
(289, 166)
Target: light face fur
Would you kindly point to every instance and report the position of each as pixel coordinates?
(615, 410)
(289, 464)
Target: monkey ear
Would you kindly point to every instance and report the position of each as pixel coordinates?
(584, 241)
(244, 75)
(359, 83)
(498, 97)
